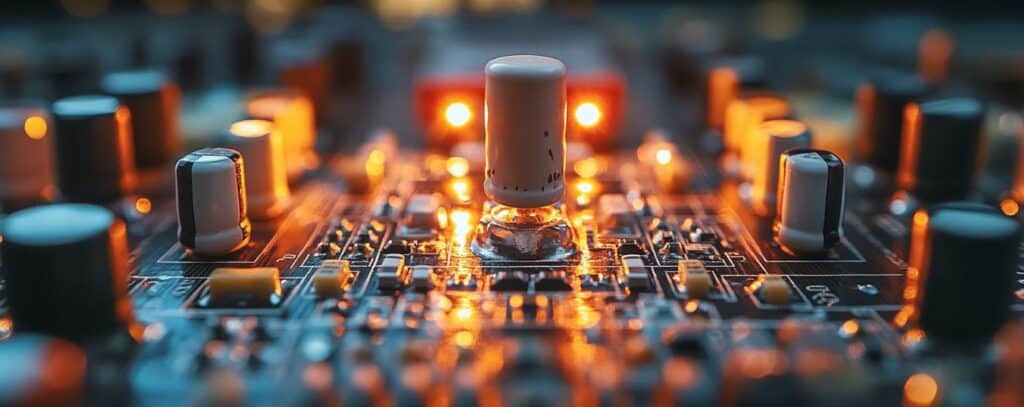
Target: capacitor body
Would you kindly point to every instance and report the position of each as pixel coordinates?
(26, 163)
(940, 150)
(880, 104)
(154, 101)
(293, 116)
(772, 139)
(963, 260)
(66, 268)
(211, 198)
(524, 120)
(94, 149)
(811, 200)
(266, 178)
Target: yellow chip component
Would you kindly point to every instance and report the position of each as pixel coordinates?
(775, 290)
(260, 285)
(332, 278)
(694, 278)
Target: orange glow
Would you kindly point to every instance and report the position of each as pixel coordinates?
(251, 128)
(587, 167)
(920, 390)
(457, 114)
(723, 87)
(457, 166)
(586, 186)
(1009, 207)
(143, 205)
(935, 49)
(663, 156)
(783, 128)
(587, 114)
(850, 328)
(35, 127)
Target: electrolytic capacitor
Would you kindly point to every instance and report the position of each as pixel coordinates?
(963, 262)
(773, 138)
(154, 101)
(266, 178)
(941, 145)
(811, 200)
(66, 268)
(293, 116)
(525, 130)
(880, 105)
(211, 197)
(26, 163)
(94, 149)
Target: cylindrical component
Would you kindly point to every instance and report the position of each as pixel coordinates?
(266, 180)
(941, 145)
(773, 138)
(743, 115)
(66, 267)
(525, 130)
(963, 260)
(210, 186)
(41, 371)
(880, 105)
(723, 86)
(811, 199)
(94, 149)
(154, 101)
(26, 163)
(292, 115)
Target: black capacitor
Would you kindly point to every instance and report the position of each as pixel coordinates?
(940, 149)
(880, 104)
(66, 267)
(154, 101)
(963, 260)
(94, 148)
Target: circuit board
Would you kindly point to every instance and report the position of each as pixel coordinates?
(418, 318)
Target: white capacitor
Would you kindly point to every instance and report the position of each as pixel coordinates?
(266, 178)
(524, 120)
(811, 200)
(210, 187)
(773, 138)
(26, 166)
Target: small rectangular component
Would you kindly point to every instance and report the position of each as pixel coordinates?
(255, 286)
(392, 273)
(332, 278)
(635, 270)
(693, 278)
(421, 278)
(614, 211)
(422, 212)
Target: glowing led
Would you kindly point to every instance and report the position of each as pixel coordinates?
(1009, 207)
(920, 390)
(457, 114)
(143, 205)
(250, 128)
(457, 166)
(663, 156)
(35, 127)
(587, 114)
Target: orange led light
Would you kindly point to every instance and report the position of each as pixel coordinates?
(35, 127)
(663, 156)
(143, 205)
(1009, 207)
(457, 114)
(920, 390)
(587, 114)
(250, 128)
(457, 166)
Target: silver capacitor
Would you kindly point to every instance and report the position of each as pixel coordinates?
(212, 210)
(266, 176)
(524, 120)
(811, 200)
(773, 138)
